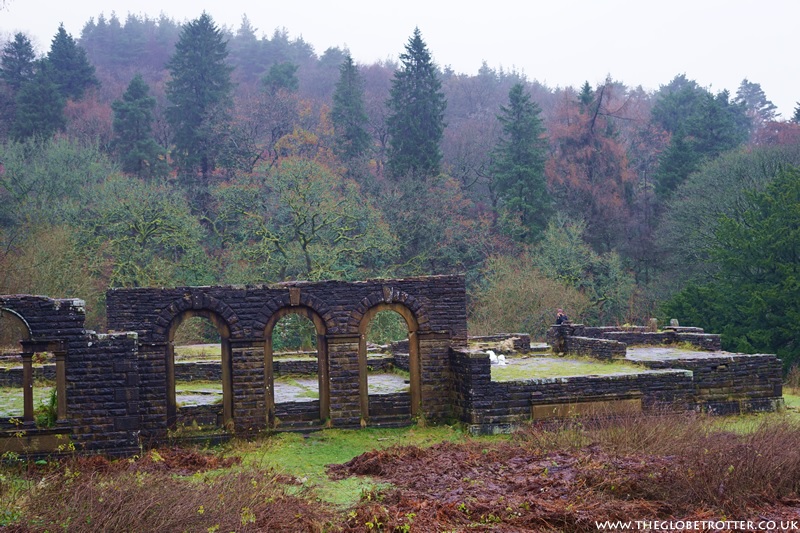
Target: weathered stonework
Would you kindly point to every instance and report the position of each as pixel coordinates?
(116, 391)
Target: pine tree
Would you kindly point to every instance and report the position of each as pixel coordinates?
(416, 121)
(71, 70)
(756, 105)
(702, 125)
(138, 151)
(200, 98)
(348, 114)
(519, 164)
(40, 107)
(16, 63)
(281, 76)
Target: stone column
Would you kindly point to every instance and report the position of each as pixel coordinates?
(344, 374)
(27, 389)
(61, 382)
(435, 378)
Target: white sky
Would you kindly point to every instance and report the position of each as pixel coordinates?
(558, 42)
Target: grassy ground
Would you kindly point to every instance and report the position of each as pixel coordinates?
(11, 401)
(304, 457)
(661, 466)
(198, 352)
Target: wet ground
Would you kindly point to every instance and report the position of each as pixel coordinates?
(666, 353)
(294, 389)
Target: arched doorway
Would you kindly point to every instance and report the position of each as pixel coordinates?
(414, 368)
(13, 330)
(224, 416)
(298, 415)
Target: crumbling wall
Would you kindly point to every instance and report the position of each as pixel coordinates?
(730, 383)
(101, 385)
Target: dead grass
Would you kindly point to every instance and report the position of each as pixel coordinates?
(546, 477)
(155, 494)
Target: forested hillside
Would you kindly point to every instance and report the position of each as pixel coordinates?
(148, 153)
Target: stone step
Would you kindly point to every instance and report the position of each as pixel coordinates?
(389, 421)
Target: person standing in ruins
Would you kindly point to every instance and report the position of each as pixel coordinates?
(561, 317)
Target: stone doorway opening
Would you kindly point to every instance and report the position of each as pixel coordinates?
(199, 372)
(389, 395)
(296, 369)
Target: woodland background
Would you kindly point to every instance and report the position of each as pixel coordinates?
(150, 153)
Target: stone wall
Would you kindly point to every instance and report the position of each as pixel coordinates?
(602, 349)
(117, 385)
(438, 302)
(564, 339)
(437, 305)
(12, 377)
(101, 383)
(212, 370)
(519, 342)
(489, 406)
(103, 392)
(730, 383)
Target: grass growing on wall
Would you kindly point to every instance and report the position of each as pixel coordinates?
(551, 367)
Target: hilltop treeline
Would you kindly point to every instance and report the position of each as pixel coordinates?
(146, 153)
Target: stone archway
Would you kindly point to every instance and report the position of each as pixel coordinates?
(322, 360)
(226, 369)
(414, 363)
(18, 323)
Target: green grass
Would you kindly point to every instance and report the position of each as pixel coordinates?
(551, 367)
(199, 352)
(191, 386)
(305, 457)
(792, 398)
(11, 401)
(305, 391)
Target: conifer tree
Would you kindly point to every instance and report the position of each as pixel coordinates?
(40, 107)
(200, 98)
(348, 114)
(71, 70)
(519, 164)
(416, 121)
(133, 141)
(281, 76)
(16, 62)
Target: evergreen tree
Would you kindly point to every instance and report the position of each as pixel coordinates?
(200, 98)
(16, 62)
(519, 163)
(71, 70)
(348, 113)
(281, 76)
(757, 108)
(586, 95)
(754, 300)
(796, 115)
(40, 107)
(416, 121)
(246, 52)
(702, 125)
(137, 150)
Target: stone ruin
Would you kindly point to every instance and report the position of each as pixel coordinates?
(116, 392)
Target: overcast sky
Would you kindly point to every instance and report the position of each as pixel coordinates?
(557, 42)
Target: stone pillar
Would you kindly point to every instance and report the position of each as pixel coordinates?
(27, 388)
(250, 391)
(61, 384)
(436, 380)
(344, 374)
